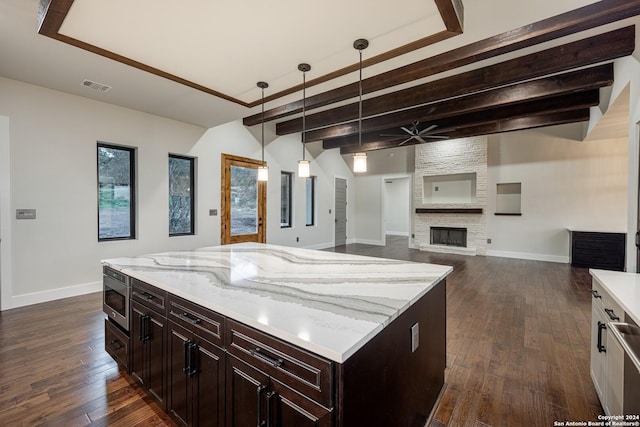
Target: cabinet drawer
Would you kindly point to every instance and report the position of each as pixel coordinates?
(603, 299)
(202, 321)
(305, 372)
(116, 343)
(149, 296)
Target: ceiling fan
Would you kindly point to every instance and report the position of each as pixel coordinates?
(415, 133)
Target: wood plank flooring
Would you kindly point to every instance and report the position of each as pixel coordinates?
(517, 343)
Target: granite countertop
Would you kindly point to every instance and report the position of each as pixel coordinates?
(624, 289)
(325, 302)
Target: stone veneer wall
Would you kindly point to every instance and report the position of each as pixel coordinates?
(446, 157)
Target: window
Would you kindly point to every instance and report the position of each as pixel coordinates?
(181, 195)
(116, 192)
(310, 203)
(285, 198)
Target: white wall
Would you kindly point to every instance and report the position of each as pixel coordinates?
(5, 211)
(53, 139)
(370, 191)
(396, 205)
(565, 184)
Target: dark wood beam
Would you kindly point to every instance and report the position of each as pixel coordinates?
(510, 125)
(592, 50)
(449, 125)
(567, 83)
(575, 21)
(53, 12)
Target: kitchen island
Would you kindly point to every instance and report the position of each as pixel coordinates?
(288, 336)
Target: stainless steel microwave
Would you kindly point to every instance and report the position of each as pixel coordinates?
(116, 293)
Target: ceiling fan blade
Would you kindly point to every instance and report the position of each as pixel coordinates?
(419, 138)
(407, 130)
(427, 129)
(405, 141)
(392, 135)
(435, 136)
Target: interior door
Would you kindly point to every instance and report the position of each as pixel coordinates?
(340, 207)
(244, 200)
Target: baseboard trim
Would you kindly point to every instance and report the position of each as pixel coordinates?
(530, 256)
(54, 294)
(397, 233)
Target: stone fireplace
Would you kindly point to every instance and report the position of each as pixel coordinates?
(450, 184)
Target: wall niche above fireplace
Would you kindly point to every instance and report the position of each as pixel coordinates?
(453, 188)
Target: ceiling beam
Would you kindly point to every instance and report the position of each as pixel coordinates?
(567, 83)
(52, 13)
(508, 125)
(592, 50)
(587, 17)
(451, 125)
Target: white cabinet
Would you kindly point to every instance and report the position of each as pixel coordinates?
(607, 356)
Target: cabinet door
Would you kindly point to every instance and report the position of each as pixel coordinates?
(177, 402)
(138, 365)
(246, 389)
(207, 385)
(155, 345)
(148, 350)
(615, 375)
(290, 409)
(598, 352)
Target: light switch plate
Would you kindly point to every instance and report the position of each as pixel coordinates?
(25, 214)
(415, 336)
(213, 212)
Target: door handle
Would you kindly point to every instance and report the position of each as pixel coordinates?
(259, 391)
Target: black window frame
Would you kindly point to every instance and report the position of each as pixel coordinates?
(133, 193)
(313, 181)
(289, 176)
(192, 190)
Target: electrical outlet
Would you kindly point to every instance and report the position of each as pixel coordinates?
(489, 241)
(297, 239)
(213, 212)
(415, 336)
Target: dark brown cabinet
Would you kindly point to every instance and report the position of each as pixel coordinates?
(254, 398)
(148, 341)
(195, 365)
(210, 370)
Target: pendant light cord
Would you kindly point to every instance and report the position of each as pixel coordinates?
(304, 106)
(263, 126)
(360, 106)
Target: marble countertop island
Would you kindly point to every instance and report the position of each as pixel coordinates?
(325, 302)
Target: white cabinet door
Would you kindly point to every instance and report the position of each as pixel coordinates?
(615, 376)
(598, 352)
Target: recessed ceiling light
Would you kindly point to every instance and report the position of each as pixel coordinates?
(100, 87)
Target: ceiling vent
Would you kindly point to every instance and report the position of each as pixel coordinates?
(96, 86)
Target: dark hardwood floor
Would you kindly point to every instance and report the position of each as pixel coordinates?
(518, 351)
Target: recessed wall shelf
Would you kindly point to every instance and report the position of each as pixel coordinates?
(450, 210)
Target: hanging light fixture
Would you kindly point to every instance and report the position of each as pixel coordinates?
(263, 170)
(304, 166)
(360, 159)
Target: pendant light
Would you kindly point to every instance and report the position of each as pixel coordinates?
(360, 159)
(263, 170)
(304, 166)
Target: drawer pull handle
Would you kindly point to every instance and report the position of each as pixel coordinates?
(270, 360)
(147, 296)
(115, 345)
(191, 319)
(601, 327)
(596, 294)
(612, 314)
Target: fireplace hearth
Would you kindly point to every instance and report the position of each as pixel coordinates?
(449, 236)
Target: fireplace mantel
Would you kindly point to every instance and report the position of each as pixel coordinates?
(450, 210)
